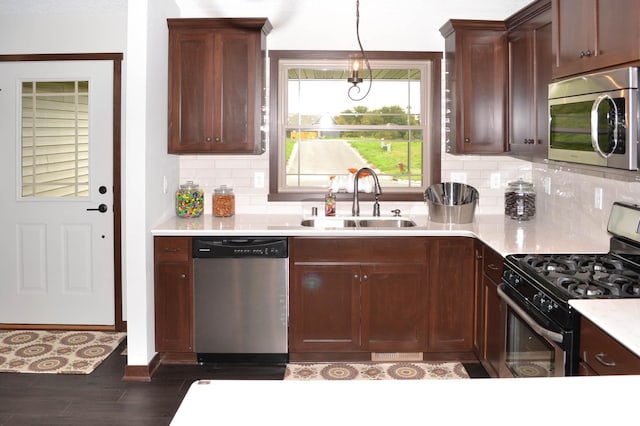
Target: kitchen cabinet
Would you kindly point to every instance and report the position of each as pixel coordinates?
(593, 34)
(451, 295)
(217, 85)
(601, 354)
(492, 313)
(530, 65)
(173, 292)
(476, 85)
(357, 295)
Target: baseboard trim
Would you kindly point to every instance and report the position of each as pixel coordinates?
(141, 373)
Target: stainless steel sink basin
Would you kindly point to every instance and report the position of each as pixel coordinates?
(355, 222)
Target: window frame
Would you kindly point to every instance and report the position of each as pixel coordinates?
(434, 149)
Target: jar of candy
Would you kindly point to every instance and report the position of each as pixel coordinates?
(224, 201)
(189, 200)
(520, 200)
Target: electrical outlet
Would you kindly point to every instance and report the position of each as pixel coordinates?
(258, 180)
(495, 180)
(598, 198)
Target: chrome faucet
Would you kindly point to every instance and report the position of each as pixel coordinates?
(355, 209)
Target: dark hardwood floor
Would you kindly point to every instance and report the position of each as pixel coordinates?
(102, 398)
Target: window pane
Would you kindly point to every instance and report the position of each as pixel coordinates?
(328, 136)
(55, 138)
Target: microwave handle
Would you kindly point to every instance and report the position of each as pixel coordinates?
(551, 335)
(594, 125)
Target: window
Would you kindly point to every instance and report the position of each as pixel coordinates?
(55, 145)
(319, 137)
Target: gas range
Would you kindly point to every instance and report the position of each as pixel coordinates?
(538, 287)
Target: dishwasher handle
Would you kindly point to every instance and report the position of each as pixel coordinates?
(239, 247)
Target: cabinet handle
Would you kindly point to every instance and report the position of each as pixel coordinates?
(171, 250)
(600, 358)
(478, 257)
(586, 54)
(493, 267)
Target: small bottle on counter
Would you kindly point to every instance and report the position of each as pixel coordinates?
(330, 204)
(520, 200)
(224, 201)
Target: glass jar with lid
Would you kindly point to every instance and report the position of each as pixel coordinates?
(520, 200)
(224, 201)
(189, 200)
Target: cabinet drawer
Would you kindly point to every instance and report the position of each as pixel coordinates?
(172, 249)
(493, 265)
(604, 354)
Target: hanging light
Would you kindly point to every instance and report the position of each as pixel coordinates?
(356, 62)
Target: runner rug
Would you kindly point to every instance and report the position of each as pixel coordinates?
(55, 352)
(376, 371)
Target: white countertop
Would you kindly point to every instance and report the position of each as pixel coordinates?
(504, 235)
(620, 318)
(583, 401)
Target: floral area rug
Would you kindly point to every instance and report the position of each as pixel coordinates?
(376, 371)
(56, 352)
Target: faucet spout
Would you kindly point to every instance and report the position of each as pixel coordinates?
(355, 209)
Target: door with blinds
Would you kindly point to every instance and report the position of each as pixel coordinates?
(56, 169)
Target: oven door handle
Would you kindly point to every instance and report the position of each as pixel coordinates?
(551, 335)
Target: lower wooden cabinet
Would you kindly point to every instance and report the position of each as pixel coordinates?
(173, 294)
(361, 295)
(601, 354)
(490, 316)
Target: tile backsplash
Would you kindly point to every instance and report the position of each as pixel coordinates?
(568, 197)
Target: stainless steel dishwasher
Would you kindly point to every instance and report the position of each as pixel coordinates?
(241, 299)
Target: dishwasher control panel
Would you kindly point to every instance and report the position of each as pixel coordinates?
(239, 247)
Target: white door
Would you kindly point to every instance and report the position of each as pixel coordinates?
(56, 249)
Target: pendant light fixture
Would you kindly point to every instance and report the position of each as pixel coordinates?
(356, 62)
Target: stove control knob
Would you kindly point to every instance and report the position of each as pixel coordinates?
(546, 305)
(537, 299)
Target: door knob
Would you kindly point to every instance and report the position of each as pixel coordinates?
(102, 208)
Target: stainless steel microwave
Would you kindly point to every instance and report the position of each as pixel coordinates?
(593, 119)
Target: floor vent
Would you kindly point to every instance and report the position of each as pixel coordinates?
(396, 356)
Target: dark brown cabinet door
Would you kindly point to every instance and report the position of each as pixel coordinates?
(324, 308)
(476, 86)
(393, 308)
(530, 64)
(492, 315)
(174, 308)
(173, 294)
(216, 79)
(591, 35)
(451, 295)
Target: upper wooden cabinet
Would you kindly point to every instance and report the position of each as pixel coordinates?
(594, 34)
(217, 85)
(530, 64)
(476, 86)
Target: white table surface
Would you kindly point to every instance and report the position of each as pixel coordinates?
(579, 401)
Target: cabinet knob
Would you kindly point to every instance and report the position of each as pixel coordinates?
(208, 139)
(183, 276)
(585, 54)
(365, 277)
(217, 139)
(356, 276)
(467, 140)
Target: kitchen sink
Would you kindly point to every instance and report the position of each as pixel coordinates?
(356, 222)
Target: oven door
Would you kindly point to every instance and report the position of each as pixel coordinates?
(531, 349)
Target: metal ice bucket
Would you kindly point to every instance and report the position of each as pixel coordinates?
(451, 202)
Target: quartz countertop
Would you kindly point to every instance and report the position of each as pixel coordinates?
(618, 317)
(504, 235)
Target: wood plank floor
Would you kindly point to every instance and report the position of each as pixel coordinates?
(102, 398)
